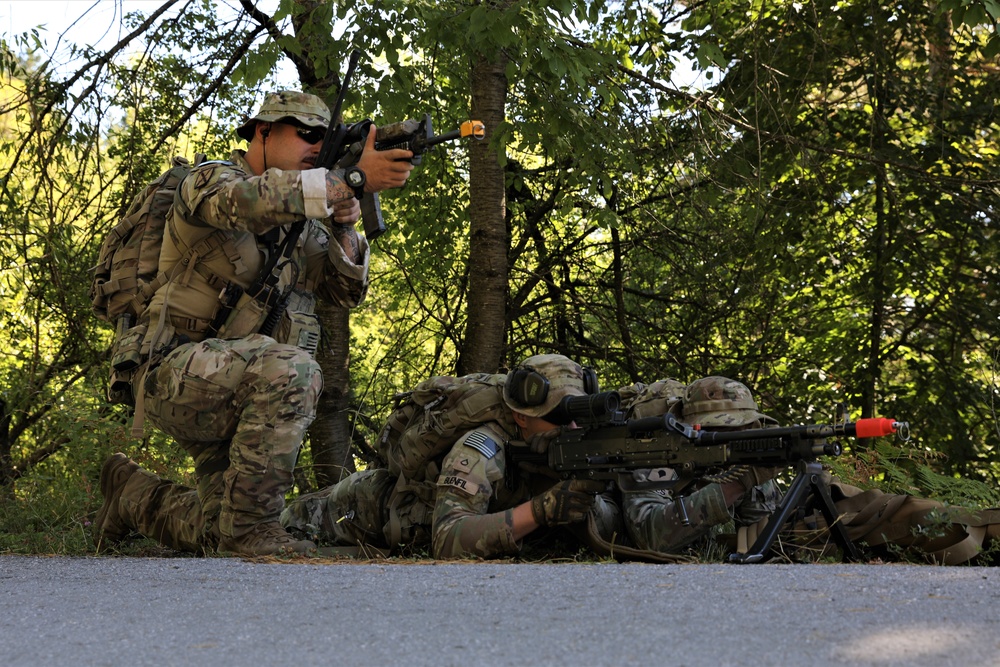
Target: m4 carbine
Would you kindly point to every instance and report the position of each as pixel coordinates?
(344, 144)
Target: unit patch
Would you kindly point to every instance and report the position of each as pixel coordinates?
(203, 177)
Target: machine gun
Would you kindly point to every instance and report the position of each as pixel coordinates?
(412, 135)
(607, 446)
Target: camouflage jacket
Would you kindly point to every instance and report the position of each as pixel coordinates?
(229, 197)
(476, 494)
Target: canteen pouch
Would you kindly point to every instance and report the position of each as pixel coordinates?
(299, 329)
(126, 360)
(245, 318)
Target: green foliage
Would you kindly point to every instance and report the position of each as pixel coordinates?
(815, 218)
(904, 468)
(973, 15)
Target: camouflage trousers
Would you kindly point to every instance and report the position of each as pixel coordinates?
(658, 521)
(893, 526)
(240, 408)
(367, 508)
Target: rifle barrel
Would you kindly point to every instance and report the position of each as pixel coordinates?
(470, 128)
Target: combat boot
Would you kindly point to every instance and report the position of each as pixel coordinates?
(110, 527)
(267, 538)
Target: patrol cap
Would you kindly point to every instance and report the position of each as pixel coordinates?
(719, 401)
(306, 109)
(537, 385)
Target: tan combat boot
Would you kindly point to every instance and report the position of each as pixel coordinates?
(110, 527)
(264, 539)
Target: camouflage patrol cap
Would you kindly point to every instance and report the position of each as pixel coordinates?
(719, 401)
(563, 375)
(307, 109)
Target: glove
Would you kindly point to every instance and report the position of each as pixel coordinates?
(539, 442)
(566, 502)
(756, 475)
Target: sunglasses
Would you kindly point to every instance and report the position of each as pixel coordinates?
(310, 135)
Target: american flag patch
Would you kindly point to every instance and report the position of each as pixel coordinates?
(482, 443)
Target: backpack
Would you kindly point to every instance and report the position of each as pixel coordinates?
(422, 428)
(427, 421)
(641, 400)
(128, 273)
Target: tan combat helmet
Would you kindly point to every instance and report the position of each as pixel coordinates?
(540, 382)
(303, 108)
(717, 401)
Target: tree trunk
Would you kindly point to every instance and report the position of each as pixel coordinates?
(330, 434)
(6, 467)
(483, 346)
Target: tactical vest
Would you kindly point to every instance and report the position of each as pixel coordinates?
(187, 305)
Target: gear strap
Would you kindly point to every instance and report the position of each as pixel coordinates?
(623, 553)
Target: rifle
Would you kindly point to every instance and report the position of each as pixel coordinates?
(411, 135)
(607, 446)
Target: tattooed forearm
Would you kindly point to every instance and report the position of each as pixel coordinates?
(348, 239)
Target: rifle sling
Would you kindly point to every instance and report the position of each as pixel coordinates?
(278, 253)
(623, 553)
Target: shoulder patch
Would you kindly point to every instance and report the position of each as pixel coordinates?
(206, 171)
(482, 443)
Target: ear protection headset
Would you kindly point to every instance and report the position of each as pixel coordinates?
(529, 388)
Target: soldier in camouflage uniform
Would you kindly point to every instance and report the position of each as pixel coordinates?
(656, 519)
(237, 401)
(890, 524)
(485, 505)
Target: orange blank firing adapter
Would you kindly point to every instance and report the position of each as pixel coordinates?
(473, 128)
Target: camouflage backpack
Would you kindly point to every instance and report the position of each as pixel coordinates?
(427, 421)
(421, 430)
(128, 272)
